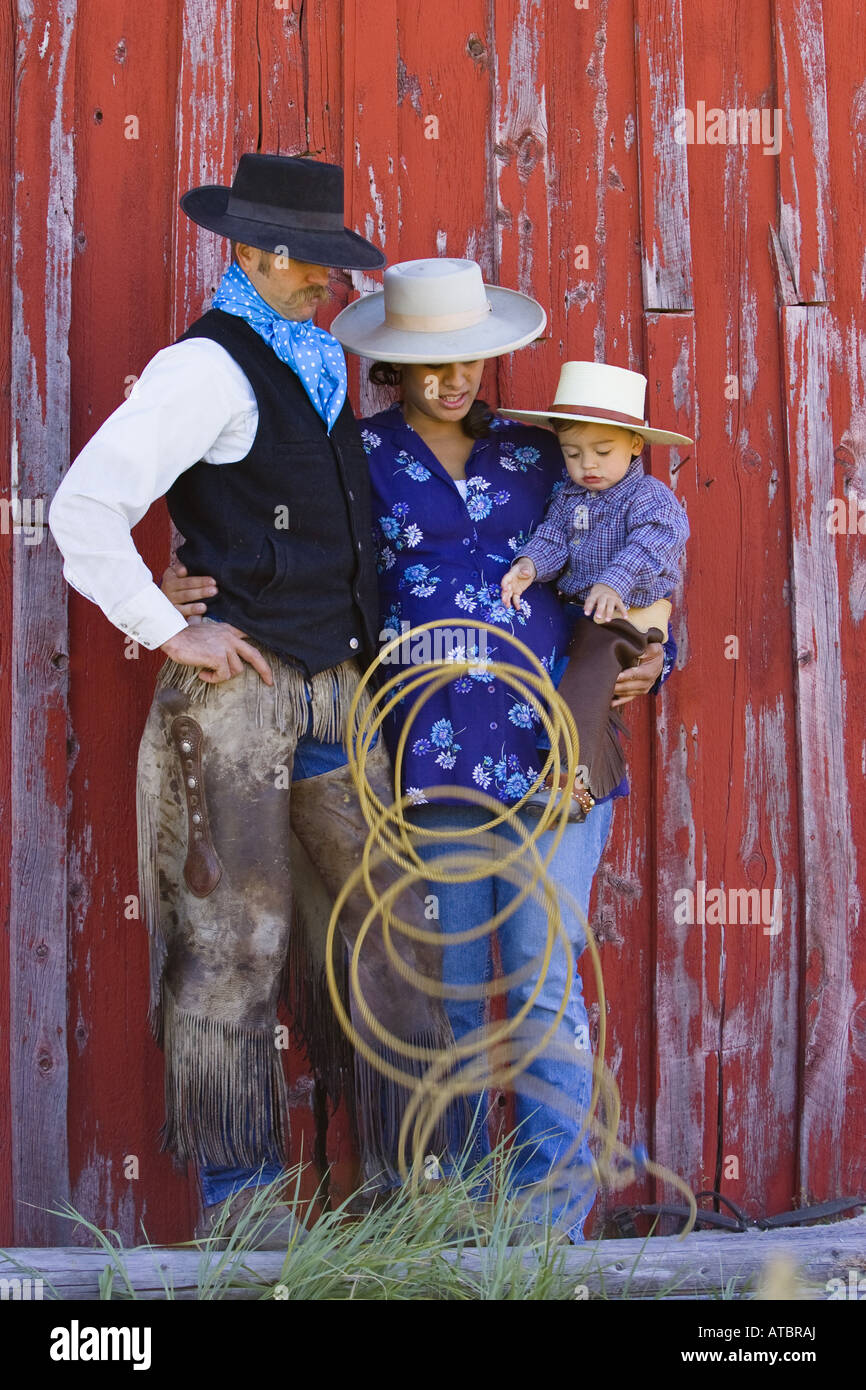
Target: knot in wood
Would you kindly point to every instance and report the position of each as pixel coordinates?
(476, 49)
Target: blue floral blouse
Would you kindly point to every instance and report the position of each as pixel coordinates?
(440, 559)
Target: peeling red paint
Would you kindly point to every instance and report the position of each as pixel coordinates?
(522, 135)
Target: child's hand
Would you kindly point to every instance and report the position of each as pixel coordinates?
(518, 578)
(606, 603)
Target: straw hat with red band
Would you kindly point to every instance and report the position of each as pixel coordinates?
(438, 310)
(599, 394)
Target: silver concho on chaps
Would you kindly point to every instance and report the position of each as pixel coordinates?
(238, 870)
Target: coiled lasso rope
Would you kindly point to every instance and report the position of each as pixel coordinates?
(497, 1054)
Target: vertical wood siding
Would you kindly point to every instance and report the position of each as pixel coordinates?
(539, 140)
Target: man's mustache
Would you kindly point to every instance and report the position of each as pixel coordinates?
(316, 294)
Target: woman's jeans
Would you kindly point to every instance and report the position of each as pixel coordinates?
(544, 1130)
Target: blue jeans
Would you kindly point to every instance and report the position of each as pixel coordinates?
(545, 1131)
(312, 758)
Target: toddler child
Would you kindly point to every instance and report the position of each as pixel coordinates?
(613, 537)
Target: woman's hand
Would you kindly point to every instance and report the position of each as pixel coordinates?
(185, 592)
(515, 580)
(637, 680)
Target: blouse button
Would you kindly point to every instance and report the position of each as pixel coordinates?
(354, 643)
(494, 726)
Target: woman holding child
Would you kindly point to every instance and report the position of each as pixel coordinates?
(457, 494)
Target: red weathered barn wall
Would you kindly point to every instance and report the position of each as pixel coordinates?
(705, 262)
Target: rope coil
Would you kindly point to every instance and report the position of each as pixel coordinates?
(497, 1055)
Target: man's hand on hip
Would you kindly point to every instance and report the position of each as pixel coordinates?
(219, 650)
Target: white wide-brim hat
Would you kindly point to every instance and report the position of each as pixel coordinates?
(438, 310)
(599, 394)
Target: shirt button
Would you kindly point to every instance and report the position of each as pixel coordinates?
(360, 547)
(354, 643)
(466, 540)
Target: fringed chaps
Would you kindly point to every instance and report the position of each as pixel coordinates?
(326, 814)
(231, 853)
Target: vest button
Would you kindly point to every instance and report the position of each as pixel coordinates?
(354, 643)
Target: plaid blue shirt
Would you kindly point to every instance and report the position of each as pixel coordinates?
(630, 536)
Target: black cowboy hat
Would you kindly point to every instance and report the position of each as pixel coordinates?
(277, 201)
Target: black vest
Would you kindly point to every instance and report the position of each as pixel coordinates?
(285, 532)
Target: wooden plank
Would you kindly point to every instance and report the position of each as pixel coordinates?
(664, 176)
(42, 218)
(287, 84)
(726, 785)
(205, 148)
(297, 88)
(322, 32)
(121, 314)
(847, 380)
(521, 243)
(622, 922)
(443, 91)
(805, 204)
(710, 1008)
(7, 544)
(595, 301)
(686, 1024)
(596, 261)
(704, 1263)
(728, 809)
(370, 152)
(272, 90)
(831, 897)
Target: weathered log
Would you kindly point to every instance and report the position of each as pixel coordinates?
(700, 1265)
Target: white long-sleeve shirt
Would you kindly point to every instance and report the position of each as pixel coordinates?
(191, 402)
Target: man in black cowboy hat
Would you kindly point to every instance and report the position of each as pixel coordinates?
(243, 786)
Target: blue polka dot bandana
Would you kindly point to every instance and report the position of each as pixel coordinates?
(313, 354)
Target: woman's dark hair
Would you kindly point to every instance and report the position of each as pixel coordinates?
(476, 421)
